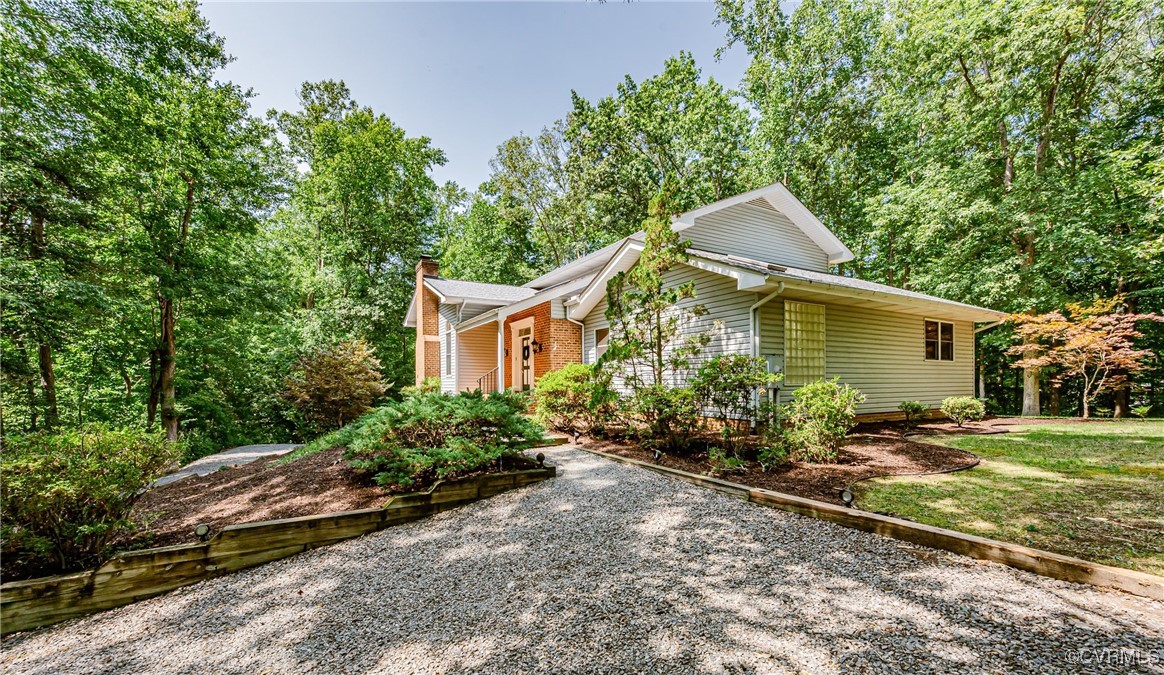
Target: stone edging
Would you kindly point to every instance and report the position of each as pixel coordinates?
(1045, 563)
(137, 575)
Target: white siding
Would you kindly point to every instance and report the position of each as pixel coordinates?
(757, 233)
(447, 317)
(476, 355)
(594, 320)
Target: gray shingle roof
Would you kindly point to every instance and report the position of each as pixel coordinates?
(793, 273)
(472, 290)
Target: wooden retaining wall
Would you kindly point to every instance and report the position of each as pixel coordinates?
(1020, 557)
(137, 575)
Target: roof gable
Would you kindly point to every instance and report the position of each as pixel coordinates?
(777, 198)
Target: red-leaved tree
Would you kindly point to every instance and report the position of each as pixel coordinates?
(1092, 342)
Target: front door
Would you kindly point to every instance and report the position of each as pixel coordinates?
(522, 355)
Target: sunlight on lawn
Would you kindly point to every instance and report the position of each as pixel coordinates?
(1086, 490)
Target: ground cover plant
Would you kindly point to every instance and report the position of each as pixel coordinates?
(1090, 490)
(66, 495)
(427, 437)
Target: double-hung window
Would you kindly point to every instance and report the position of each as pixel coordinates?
(601, 338)
(449, 352)
(939, 341)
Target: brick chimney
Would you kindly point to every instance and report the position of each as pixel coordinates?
(428, 348)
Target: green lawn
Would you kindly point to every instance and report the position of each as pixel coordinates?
(1094, 491)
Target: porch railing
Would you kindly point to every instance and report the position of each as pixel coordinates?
(488, 381)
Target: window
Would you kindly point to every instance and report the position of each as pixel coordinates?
(449, 353)
(804, 342)
(601, 339)
(939, 341)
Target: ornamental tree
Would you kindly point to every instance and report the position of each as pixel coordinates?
(335, 385)
(1092, 342)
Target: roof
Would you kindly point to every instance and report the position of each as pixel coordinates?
(781, 272)
(779, 198)
(455, 290)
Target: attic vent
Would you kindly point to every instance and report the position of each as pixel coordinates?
(762, 203)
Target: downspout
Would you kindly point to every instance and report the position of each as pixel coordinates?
(754, 327)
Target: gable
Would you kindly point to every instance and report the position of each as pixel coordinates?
(756, 230)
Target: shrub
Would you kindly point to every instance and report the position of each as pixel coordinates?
(818, 418)
(670, 415)
(429, 385)
(576, 398)
(729, 383)
(773, 449)
(1142, 411)
(722, 462)
(913, 411)
(425, 438)
(335, 385)
(66, 495)
(963, 409)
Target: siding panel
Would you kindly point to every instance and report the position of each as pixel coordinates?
(758, 233)
(476, 355)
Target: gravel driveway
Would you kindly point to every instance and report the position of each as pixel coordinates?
(608, 568)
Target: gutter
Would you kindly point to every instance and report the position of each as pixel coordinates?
(755, 330)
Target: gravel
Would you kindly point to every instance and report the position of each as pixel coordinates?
(608, 568)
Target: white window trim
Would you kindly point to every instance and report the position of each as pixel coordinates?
(448, 364)
(953, 342)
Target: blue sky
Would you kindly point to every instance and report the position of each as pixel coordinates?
(466, 74)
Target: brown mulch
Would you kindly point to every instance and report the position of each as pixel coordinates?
(261, 490)
(871, 450)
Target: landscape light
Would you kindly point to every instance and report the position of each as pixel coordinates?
(541, 458)
(202, 532)
(847, 497)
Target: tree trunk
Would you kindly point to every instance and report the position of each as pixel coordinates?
(1056, 400)
(166, 368)
(155, 392)
(48, 385)
(1030, 390)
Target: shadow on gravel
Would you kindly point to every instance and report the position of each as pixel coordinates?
(606, 568)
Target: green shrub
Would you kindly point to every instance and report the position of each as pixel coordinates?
(669, 416)
(577, 399)
(963, 409)
(773, 447)
(66, 495)
(818, 418)
(425, 438)
(723, 462)
(429, 385)
(1142, 411)
(729, 383)
(913, 412)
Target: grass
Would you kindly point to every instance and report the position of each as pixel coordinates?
(1092, 491)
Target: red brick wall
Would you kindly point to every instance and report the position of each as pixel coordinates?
(428, 352)
(561, 341)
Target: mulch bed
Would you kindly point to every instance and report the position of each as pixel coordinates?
(261, 490)
(871, 450)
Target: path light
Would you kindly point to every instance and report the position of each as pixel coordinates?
(541, 459)
(847, 497)
(202, 532)
(658, 454)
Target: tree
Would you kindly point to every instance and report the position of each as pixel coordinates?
(335, 385)
(482, 245)
(653, 339)
(1091, 342)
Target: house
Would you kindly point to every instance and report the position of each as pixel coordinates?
(760, 262)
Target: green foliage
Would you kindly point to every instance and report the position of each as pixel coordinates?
(913, 411)
(731, 383)
(651, 343)
(423, 438)
(334, 386)
(67, 495)
(773, 450)
(1142, 411)
(817, 419)
(429, 385)
(576, 398)
(723, 462)
(963, 409)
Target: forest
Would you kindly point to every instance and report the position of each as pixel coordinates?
(171, 255)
